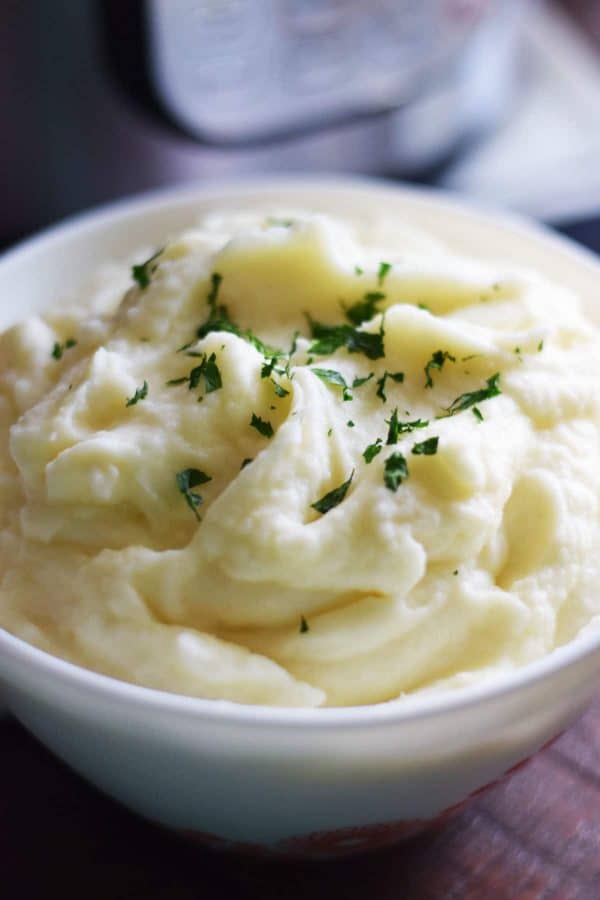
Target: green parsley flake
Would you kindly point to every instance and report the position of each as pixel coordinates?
(263, 427)
(364, 309)
(211, 299)
(329, 338)
(398, 377)
(332, 377)
(477, 413)
(395, 471)
(423, 306)
(207, 370)
(540, 346)
(59, 349)
(304, 627)
(188, 479)
(397, 428)
(436, 362)
(384, 268)
(350, 423)
(372, 450)
(279, 223)
(279, 390)
(426, 448)
(358, 270)
(465, 401)
(140, 394)
(334, 497)
(358, 382)
(143, 272)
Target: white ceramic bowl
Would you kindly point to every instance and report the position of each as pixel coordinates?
(316, 782)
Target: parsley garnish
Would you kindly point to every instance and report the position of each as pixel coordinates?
(143, 272)
(303, 625)
(350, 423)
(330, 338)
(384, 268)
(188, 479)
(358, 270)
(477, 413)
(282, 223)
(207, 369)
(59, 349)
(140, 394)
(372, 450)
(262, 426)
(333, 377)
(333, 497)
(397, 428)
(358, 382)
(223, 323)
(540, 346)
(280, 391)
(472, 397)
(364, 309)
(423, 306)
(436, 362)
(426, 448)
(215, 284)
(395, 376)
(395, 471)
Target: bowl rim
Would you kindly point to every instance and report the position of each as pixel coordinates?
(405, 709)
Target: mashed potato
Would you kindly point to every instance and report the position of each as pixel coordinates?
(297, 461)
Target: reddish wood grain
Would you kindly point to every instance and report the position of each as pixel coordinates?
(535, 837)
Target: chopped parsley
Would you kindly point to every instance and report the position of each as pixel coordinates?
(350, 423)
(219, 320)
(143, 272)
(364, 309)
(372, 450)
(334, 497)
(423, 306)
(207, 369)
(397, 428)
(59, 349)
(436, 363)
(358, 382)
(140, 394)
(329, 338)
(540, 346)
(304, 627)
(279, 390)
(188, 479)
(281, 223)
(384, 268)
(358, 270)
(398, 377)
(426, 448)
(262, 426)
(332, 377)
(477, 413)
(215, 284)
(465, 401)
(395, 471)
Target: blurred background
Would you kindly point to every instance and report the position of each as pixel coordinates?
(498, 99)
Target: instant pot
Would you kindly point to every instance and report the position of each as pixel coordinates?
(102, 99)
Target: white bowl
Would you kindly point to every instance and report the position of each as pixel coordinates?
(288, 781)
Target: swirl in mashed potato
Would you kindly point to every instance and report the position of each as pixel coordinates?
(295, 461)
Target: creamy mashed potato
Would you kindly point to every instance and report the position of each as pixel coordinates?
(298, 461)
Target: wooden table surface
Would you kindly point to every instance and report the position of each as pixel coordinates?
(534, 837)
